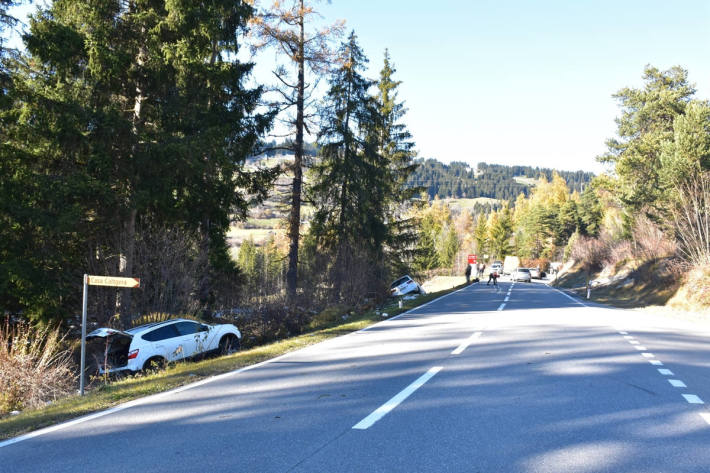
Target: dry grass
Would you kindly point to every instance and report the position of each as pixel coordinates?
(35, 367)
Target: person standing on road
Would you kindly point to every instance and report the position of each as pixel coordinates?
(468, 274)
(493, 275)
(481, 269)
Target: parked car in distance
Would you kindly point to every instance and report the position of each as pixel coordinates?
(522, 274)
(497, 267)
(405, 285)
(535, 273)
(156, 344)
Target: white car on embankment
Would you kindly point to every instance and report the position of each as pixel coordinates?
(159, 343)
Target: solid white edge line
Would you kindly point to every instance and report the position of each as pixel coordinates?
(568, 296)
(387, 407)
(501, 306)
(134, 402)
(466, 343)
(506, 299)
(693, 399)
(139, 401)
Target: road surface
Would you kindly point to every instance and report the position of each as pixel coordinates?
(514, 378)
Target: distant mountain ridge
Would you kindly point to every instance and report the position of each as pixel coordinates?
(497, 181)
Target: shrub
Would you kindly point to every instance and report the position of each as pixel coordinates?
(35, 366)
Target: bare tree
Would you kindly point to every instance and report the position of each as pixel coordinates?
(691, 218)
(283, 26)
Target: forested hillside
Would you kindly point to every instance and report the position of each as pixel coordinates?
(460, 180)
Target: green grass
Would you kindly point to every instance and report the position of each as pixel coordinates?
(528, 181)
(178, 374)
(469, 203)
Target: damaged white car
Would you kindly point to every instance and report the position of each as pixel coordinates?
(156, 344)
(405, 285)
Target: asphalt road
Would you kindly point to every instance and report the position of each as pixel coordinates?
(518, 378)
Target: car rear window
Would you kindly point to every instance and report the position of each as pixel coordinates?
(400, 281)
(161, 333)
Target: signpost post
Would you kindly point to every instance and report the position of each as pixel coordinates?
(97, 281)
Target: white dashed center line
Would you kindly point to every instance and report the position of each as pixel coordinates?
(624, 333)
(466, 343)
(647, 355)
(693, 399)
(387, 407)
(665, 372)
(634, 342)
(676, 383)
(501, 306)
(656, 362)
(640, 348)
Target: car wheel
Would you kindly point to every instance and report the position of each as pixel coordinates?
(228, 344)
(155, 363)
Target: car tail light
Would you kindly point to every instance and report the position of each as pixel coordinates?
(132, 354)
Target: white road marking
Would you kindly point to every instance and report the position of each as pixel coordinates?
(466, 343)
(665, 372)
(624, 333)
(676, 383)
(648, 355)
(705, 416)
(693, 399)
(570, 297)
(387, 407)
(628, 337)
(186, 387)
(640, 348)
(501, 306)
(634, 342)
(507, 298)
(656, 362)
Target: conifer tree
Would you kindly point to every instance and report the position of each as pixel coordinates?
(129, 111)
(348, 171)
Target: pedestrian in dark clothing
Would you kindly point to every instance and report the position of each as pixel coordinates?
(493, 275)
(468, 274)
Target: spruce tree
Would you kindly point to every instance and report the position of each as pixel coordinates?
(347, 176)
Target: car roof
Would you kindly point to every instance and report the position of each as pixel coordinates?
(145, 327)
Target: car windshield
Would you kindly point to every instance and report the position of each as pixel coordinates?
(523, 270)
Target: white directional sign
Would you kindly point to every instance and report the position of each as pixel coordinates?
(113, 281)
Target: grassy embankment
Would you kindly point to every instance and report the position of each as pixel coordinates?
(647, 285)
(179, 374)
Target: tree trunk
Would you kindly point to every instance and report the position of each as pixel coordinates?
(125, 265)
(294, 220)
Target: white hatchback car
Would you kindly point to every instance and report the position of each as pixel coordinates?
(405, 285)
(155, 344)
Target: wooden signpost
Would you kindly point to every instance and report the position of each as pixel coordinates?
(97, 281)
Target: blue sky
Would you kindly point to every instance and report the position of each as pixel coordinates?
(522, 82)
